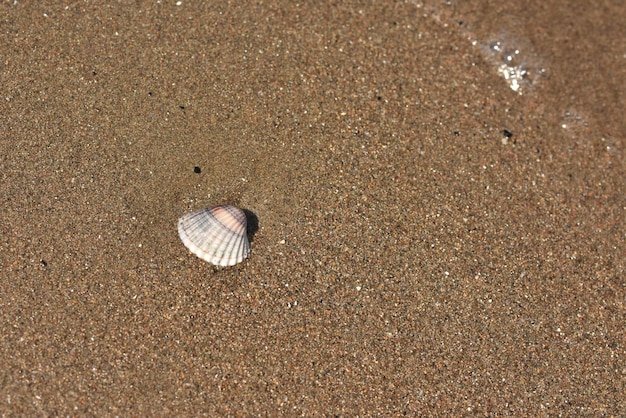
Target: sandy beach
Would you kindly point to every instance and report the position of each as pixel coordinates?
(439, 188)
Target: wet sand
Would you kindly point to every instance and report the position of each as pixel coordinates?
(430, 241)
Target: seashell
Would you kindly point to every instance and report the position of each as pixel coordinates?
(217, 234)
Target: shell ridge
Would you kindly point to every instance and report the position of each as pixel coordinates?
(229, 250)
(235, 253)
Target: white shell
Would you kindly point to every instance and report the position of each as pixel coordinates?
(217, 234)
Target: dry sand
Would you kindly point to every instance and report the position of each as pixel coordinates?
(412, 257)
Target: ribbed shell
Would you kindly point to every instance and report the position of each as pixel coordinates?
(217, 234)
